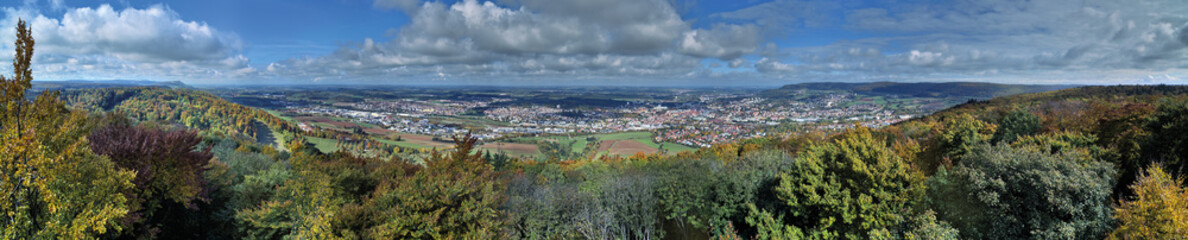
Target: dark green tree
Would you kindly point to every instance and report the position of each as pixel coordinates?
(1026, 193)
(1015, 124)
(852, 188)
(1168, 142)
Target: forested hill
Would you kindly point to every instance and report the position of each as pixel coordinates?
(1131, 126)
(1078, 98)
(940, 90)
(191, 108)
(85, 84)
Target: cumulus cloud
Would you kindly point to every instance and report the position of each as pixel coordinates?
(929, 58)
(722, 41)
(766, 65)
(533, 38)
(541, 27)
(150, 43)
(1082, 41)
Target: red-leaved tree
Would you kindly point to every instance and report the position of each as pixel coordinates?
(169, 170)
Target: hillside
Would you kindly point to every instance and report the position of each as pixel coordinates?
(1112, 95)
(190, 108)
(1131, 127)
(936, 90)
(216, 116)
(85, 84)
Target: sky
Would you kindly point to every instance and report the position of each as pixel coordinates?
(604, 42)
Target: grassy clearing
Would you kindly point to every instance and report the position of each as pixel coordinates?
(323, 144)
(280, 141)
(674, 148)
(279, 115)
(403, 144)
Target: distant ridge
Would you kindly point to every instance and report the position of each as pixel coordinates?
(1149, 94)
(86, 84)
(937, 90)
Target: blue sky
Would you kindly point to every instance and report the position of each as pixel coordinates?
(606, 42)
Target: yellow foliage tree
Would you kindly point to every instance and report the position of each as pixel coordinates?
(51, 185)
(1159, 209)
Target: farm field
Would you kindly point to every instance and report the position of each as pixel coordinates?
(418, 141)
(513, 149)
(278, 114)
(625, 147)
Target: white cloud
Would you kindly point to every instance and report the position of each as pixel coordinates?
(551, 29)
(722, 41)
(1079, 41)
(929, 58)
(532, 38)
(766, 65)
(150, 43)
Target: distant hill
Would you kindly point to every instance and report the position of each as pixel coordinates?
(88, 84)
(936, 90)
(191, 108)
(1071, 100)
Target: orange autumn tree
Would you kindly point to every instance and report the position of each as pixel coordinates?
(51, 185)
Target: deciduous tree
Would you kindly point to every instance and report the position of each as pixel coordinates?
(1015, 124)
(1026, 193)
(51, 185)
(1158, 210)
(854, 188)
(456, 196)
(170, 170)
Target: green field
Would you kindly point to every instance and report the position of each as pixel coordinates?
(327, 126)
(672, 148)
(323, 144)
(625, 135)
(280, 141)
(278, 114)
(402, 144)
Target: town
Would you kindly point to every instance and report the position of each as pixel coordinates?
(690, 118)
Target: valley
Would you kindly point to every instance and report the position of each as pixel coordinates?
(593, 121)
